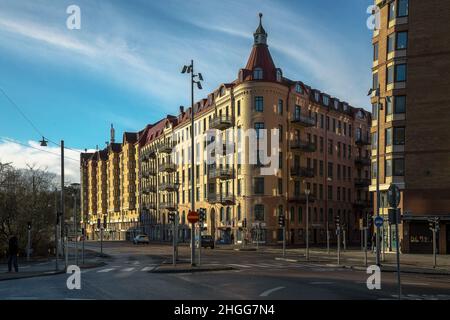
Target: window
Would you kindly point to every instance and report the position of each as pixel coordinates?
(257, 74)
(298, 88)
(321, 144)
(321, 168)
(375, 51)
(400, 104)
(399, 135)
(374, 111)
(389, 106)
(402, 8)
(239, 214)
(374, 169)
(326, 100)
(330, 170)
(280, 106)
(390, 74)
(391, 15)
(280, 186)
(374, 140)
(259, 212)
(321, 121)
(279, 75)
(300, 215)
(238, 108)
(400, 72)
(316, 96)
(280, 132)
(259, 126)
(388, 170)
(292, 213)
(375, 80)
(259, 104)
(297, 112)
(330, 146)
(388, 136)
(391, 43)
(239, 187)
(330, 192)
(402, 40)
(259, 185)
(399, 167)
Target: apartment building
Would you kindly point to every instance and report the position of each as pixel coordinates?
(411, 68)
(323, 147)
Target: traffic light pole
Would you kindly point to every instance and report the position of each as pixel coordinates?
(339, 245)
(174, 259)
(398, 256)
(434, 248)
(284, 241)
(199, 243)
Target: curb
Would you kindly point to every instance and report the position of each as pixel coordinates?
(427, 272)
(244, 249)
(44, 274)
(296, 260)
(189, 270)
(94, 265)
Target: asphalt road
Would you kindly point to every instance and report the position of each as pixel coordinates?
(256, 275)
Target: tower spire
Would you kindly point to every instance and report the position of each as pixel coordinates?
(112, 132)
(260, 34)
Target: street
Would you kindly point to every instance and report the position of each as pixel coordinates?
(255, 275)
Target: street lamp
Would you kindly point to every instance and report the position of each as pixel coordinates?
(75, 187)
(379, 107)
(190, 69)
(307, 192)
(43, 143)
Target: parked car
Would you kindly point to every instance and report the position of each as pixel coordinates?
(207, 241)
(141, 238)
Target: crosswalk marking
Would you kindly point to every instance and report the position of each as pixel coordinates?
(128, 269)
(147, 268)
(239, 265)
(106, 270)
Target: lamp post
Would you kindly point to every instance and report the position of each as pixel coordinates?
(307, 192)
(75, 187)
(43, 143)
(190, 69)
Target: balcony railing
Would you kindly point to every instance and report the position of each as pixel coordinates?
(167, 167)
(224, 199)
(362, 141)
(302, 198)
(303, 121)
(148, 154)
(146, 173)
(221, 173)
(362, 183)
(304, 146)
(362, 161)
(221, 122)
(171, 206)
(166, 147)
(169, 186)
(302, 172)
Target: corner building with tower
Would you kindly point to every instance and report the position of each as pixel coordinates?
(324, 147)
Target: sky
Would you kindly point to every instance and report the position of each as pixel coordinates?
(123, 65)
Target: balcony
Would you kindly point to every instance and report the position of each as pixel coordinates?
(362, 183)
(221, 173)
(300, 145)
(171, 206)
(222, 199)
(148, 189)
(166, 147)
(167, 167)
(302, 172)
(362, 161)
(146, 173)
(301, 199)
(148, 154)
(361, 141)
(303, 121)
(221, 122)
(169, 186)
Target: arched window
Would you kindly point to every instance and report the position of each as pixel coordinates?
(298, 88)
(228, 214)
(222, 214)
(257, 74)
(279, 75)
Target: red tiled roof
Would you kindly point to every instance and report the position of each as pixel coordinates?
(260, 58)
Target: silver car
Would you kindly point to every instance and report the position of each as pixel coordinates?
(142, 238)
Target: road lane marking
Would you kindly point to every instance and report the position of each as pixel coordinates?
(148, 268)
(239, 265)
(268, 292)
(106, 270)
(415, 283)
(128, 269)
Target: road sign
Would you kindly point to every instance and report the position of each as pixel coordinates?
(361, 224)
(393, 195)
(192, 216)
(378, 221)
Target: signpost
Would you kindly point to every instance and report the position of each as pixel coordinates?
(338, 232)
(394, 215)
(434, 227)
(193, 217)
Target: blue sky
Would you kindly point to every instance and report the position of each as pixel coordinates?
(123, 65)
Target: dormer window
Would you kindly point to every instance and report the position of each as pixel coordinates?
(222, 91)
(345, 107)
(298, 88)
(279, 75)
(326, 100)
(316, 96)
(336, 104)
(257, 74)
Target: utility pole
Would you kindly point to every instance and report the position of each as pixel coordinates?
(75, 226)
(56, 231)
(307, 192)
(63, 225)
(190, 69)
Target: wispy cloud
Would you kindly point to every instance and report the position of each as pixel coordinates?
(20, 155)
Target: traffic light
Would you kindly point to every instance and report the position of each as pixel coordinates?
(99, 223)
(281, 221)
(337, 221)
(244, 223)
(202, 215)
(105, 223)
(29, 225)
(171, 217)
